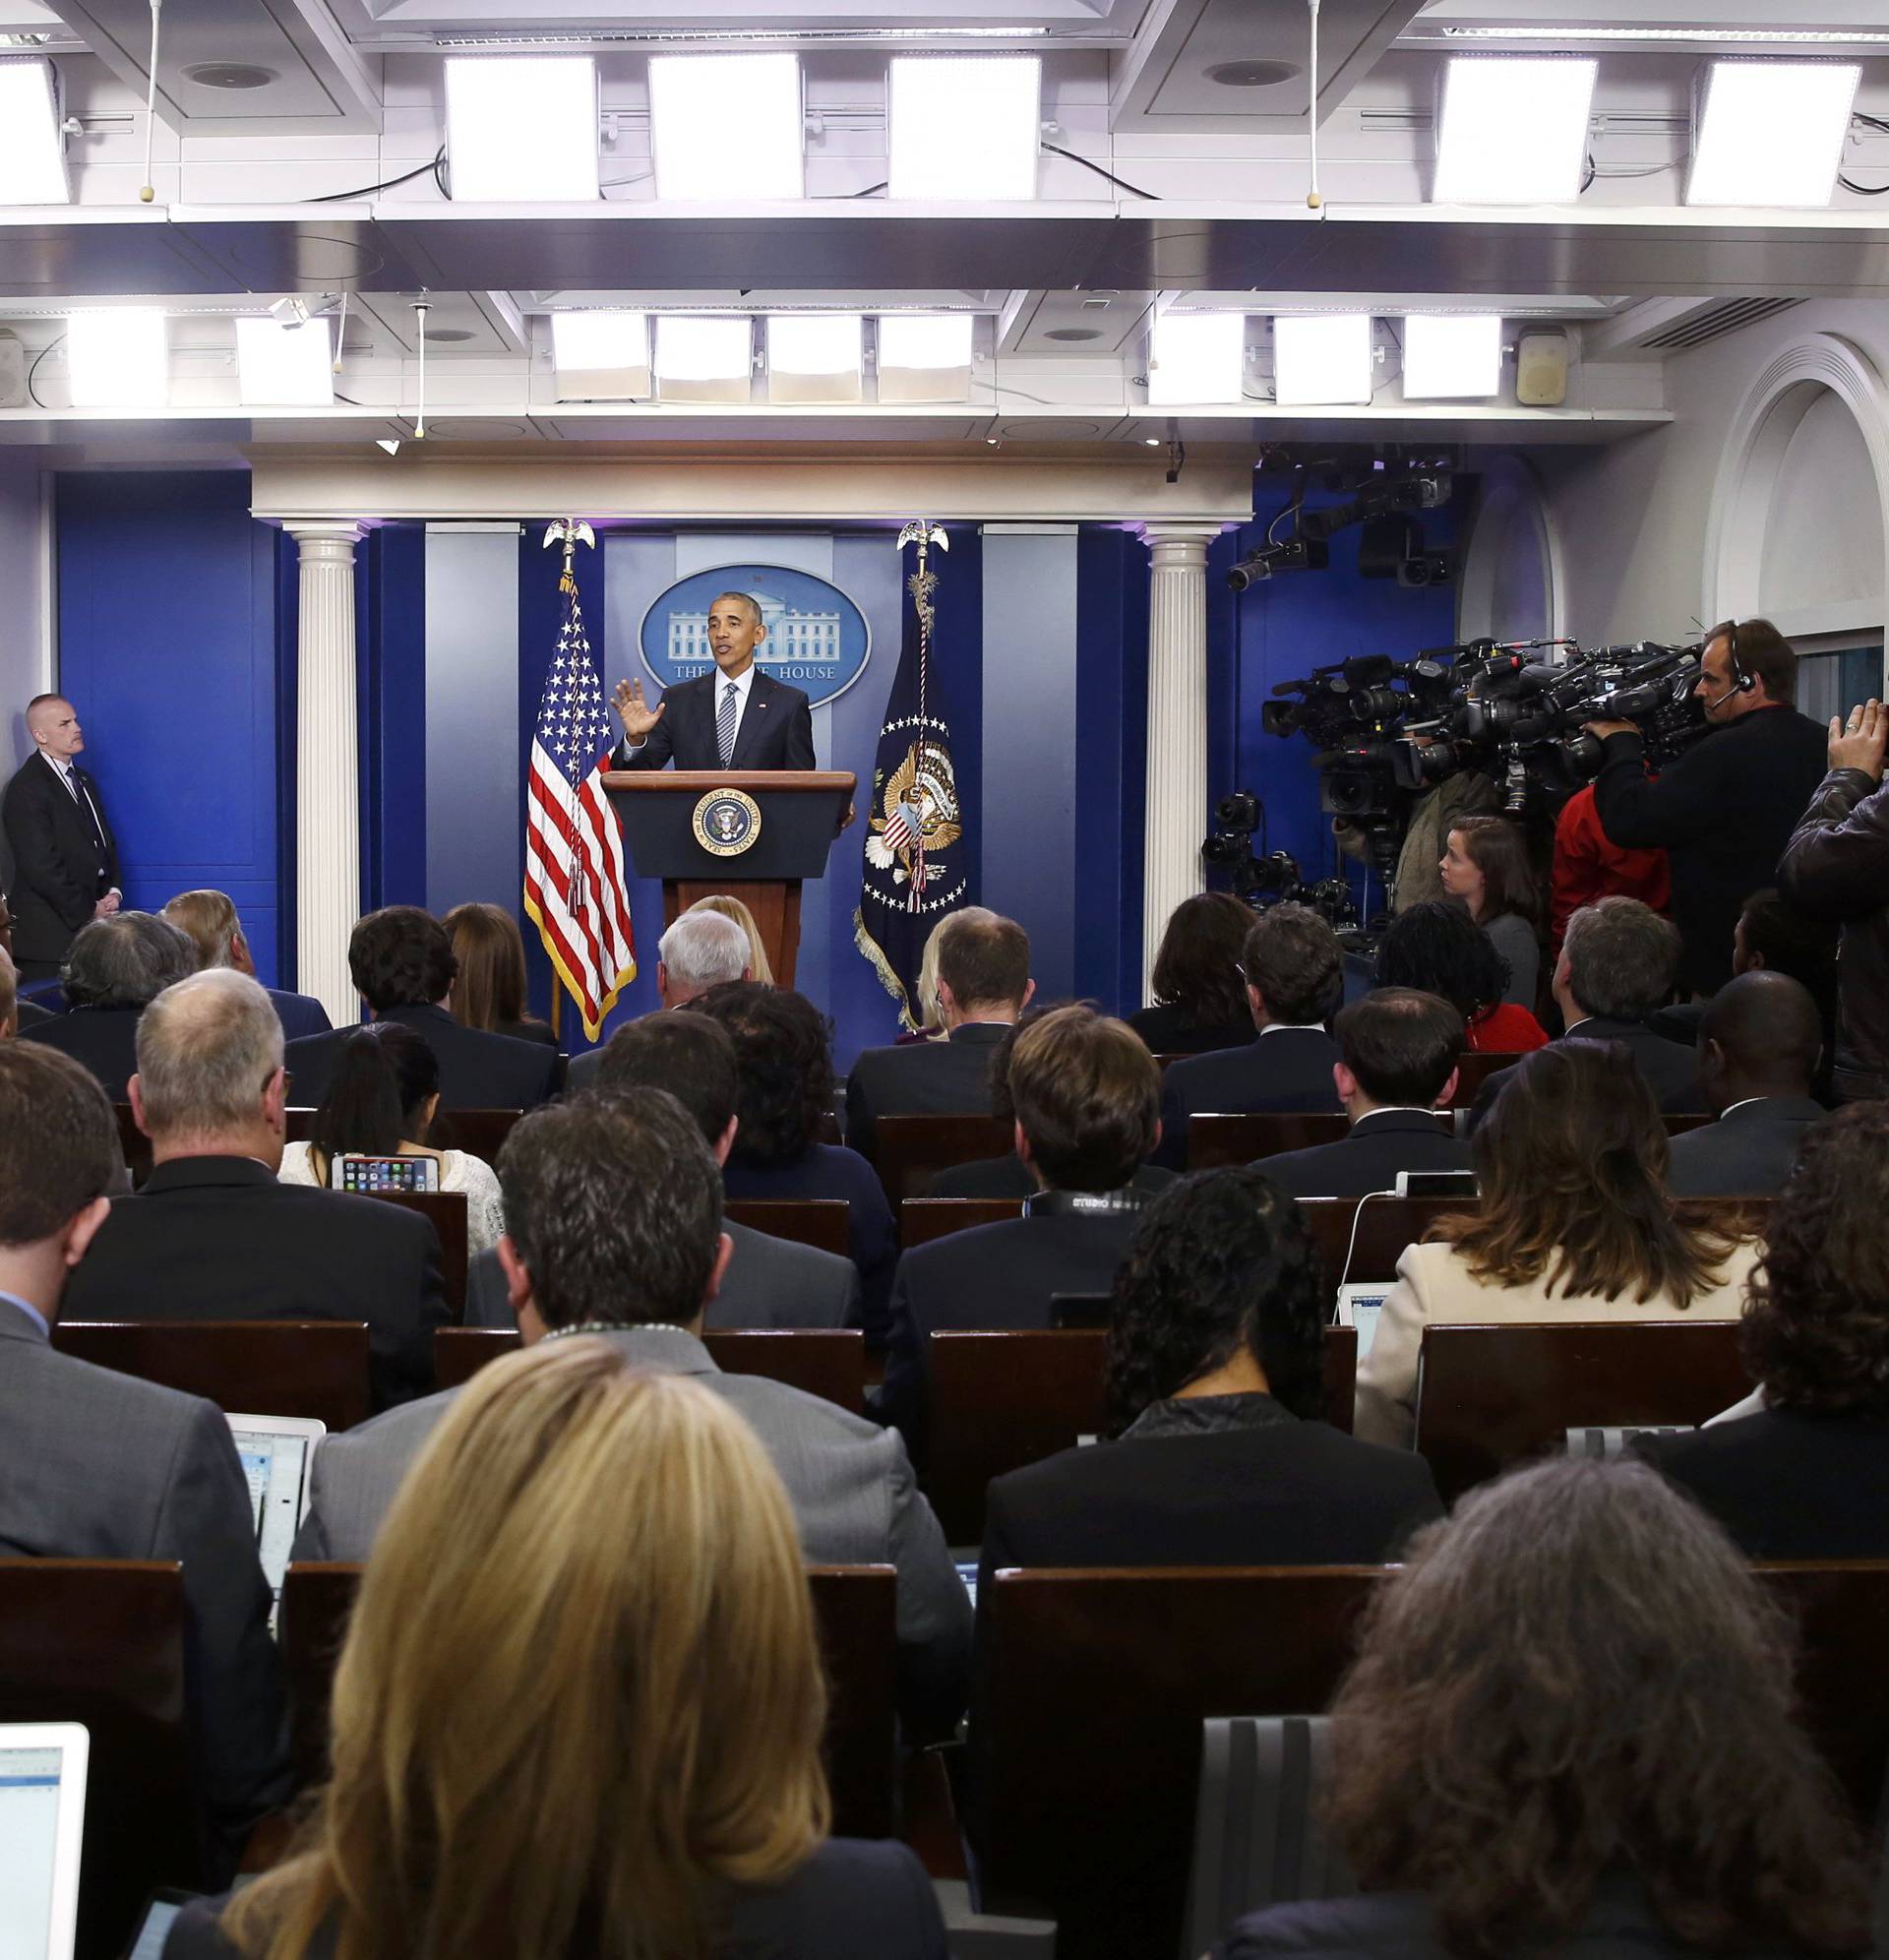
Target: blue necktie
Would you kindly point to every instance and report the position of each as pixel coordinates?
(725, 726)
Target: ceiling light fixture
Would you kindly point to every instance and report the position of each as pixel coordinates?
(925, 356)
(33, 145)
(601, 355)
(1512, 129)
(965, 126)
(280, 365)
(1452, 356)
(1769, 132)
(521, 129)
(816, 357)
(704, 357)
(1196, 357)
(726, 127)
(1712, 36)
(1321, 359)
(116, 358)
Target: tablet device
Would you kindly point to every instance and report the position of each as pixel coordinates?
(42, 1817)
(355, 1170)
(276, 1453)
(160, 1913)
(1358, 1305)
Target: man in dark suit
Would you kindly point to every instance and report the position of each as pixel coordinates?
(1087, 1095)
(65, 859)
(404, 965)
(1294, 980)
(213, 1236)
(983, 984)
(210, 920)
(1399, 1050)
(95, 1464)
(1615, 973)
(115, 968)
(1759, 1045)
(735, 718)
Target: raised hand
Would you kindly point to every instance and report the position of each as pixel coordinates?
(638, 716)
(1859, 744)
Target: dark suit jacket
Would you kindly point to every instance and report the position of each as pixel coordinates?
(992, 1277)
(218, 1238)
(1168, 1031)
(1288, 1070)
(1786, 1483)
(477, 1071)
(59, 873)
(853, 1898)
(32, 1013)
(99, 1465)
(103, 1039)
(1379, 1145)
(299, 1013)
(1672, 1073)
(922, 1078)
(1011, 1177)
(1748, 1153)
(776, 729)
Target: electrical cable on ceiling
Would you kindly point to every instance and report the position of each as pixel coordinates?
(32, 393)
(340, 332)
(1314, 200)
(1850, 184)
(368, 190)
(1055, 150)
(148, 191)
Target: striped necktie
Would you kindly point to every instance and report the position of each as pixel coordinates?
(725, 726)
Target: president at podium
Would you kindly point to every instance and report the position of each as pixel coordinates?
(735, 718)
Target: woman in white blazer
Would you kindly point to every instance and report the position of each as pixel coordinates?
(1575, 1225)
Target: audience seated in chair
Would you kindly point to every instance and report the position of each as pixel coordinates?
(1575, 1225)
(587, 1625)
(1436, 948)
(14, 1012)
(983, 984)
(1294, 980)
(1805, 1473)
(702, 949)
(1399, 1051)
(488, 992)
(1569, 1729)
(383, 1094)
(114, 968)
(403, 968)
(1760, 1042)
(212, 1235)
(209, 919)
(613, 1214)
(1615, 971)
(1199, 998)
(770, 1282)
(1087, 1092)
(785, 1064)
(1216, 1399)
(726, 905)
(99, 1465)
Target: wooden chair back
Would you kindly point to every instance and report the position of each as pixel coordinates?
(909, 1151)
(923, 1219)
(1097, 1687)
(1383, 1227)
(1214, 1141)
(314, 1370)
(828, 1362)
(1492, 1396)
(1473, 1071)
(820, 1222)
(1001, 1400)
(479, 1132)
(102, 1642)
(1842, 1611)
(447, 1209)
(855, 1609)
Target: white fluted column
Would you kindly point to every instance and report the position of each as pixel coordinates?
(1177, 726)
(328, 777)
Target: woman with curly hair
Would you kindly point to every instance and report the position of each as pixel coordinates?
(1216, 1403)
(1806, 1475)
(1436, 948)
(1570, 1730)
(1486, 868)
(1200, 995)
(1575, 1225)
(784, 1063)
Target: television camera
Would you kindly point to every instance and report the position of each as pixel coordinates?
(1264, 877)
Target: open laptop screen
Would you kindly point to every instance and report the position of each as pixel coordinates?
(276, 1452)
(42, 1804)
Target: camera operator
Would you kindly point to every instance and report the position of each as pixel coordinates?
(1726, 808)
(1836, 866)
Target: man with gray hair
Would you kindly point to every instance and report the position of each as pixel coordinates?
(212, 1235)
(699, 951)
(114, 968)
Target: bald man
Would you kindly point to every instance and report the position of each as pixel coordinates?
(64, 856)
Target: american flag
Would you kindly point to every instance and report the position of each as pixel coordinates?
(574, 876)
(901, 831)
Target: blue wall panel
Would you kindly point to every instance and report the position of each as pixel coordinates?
(167, 645)
(390, 580)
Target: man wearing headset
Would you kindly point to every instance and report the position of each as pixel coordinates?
(1726, 809)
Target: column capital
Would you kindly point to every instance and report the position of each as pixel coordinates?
(1175, 541)
(312, 534)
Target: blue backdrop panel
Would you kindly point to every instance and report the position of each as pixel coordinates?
(390, 585)
(167, 645)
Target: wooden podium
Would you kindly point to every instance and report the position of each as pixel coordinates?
(800, 809)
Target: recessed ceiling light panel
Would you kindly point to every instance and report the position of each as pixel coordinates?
(965, 126)
(601, 355)
(1512, 129)
(118, 358)
(1196, 358)
(283, 367)
(704, 357)
(925, 356)
(1452, 356)
(32, 152)
(522, 128)
(1769, 132)
(725, 127)
(1321, 359)
(815, 357)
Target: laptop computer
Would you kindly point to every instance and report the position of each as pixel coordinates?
(276, 1453)
(43, 1816)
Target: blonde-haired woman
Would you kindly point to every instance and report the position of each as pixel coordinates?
(759, 966)
(580, 1708)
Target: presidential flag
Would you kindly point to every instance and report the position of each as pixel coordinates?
(914, 871)
(574, 876)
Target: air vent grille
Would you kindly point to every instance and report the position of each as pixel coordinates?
(1712, 323)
